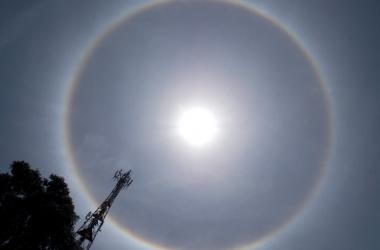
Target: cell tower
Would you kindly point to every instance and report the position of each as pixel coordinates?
(94, 221)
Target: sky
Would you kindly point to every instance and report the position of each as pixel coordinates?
(89, 87)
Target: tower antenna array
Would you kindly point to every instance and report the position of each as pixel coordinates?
(94, 221)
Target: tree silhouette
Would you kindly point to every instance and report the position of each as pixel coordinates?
(35, 213)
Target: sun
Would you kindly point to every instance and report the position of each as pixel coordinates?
(197, 126)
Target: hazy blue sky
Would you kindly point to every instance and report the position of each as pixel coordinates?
(277, 124)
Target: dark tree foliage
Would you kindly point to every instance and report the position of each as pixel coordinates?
(35, 213)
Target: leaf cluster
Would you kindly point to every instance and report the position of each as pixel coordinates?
(35, 212)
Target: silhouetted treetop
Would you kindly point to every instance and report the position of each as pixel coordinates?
(35, 213)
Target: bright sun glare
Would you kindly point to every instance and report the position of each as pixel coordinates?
(197, 126)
